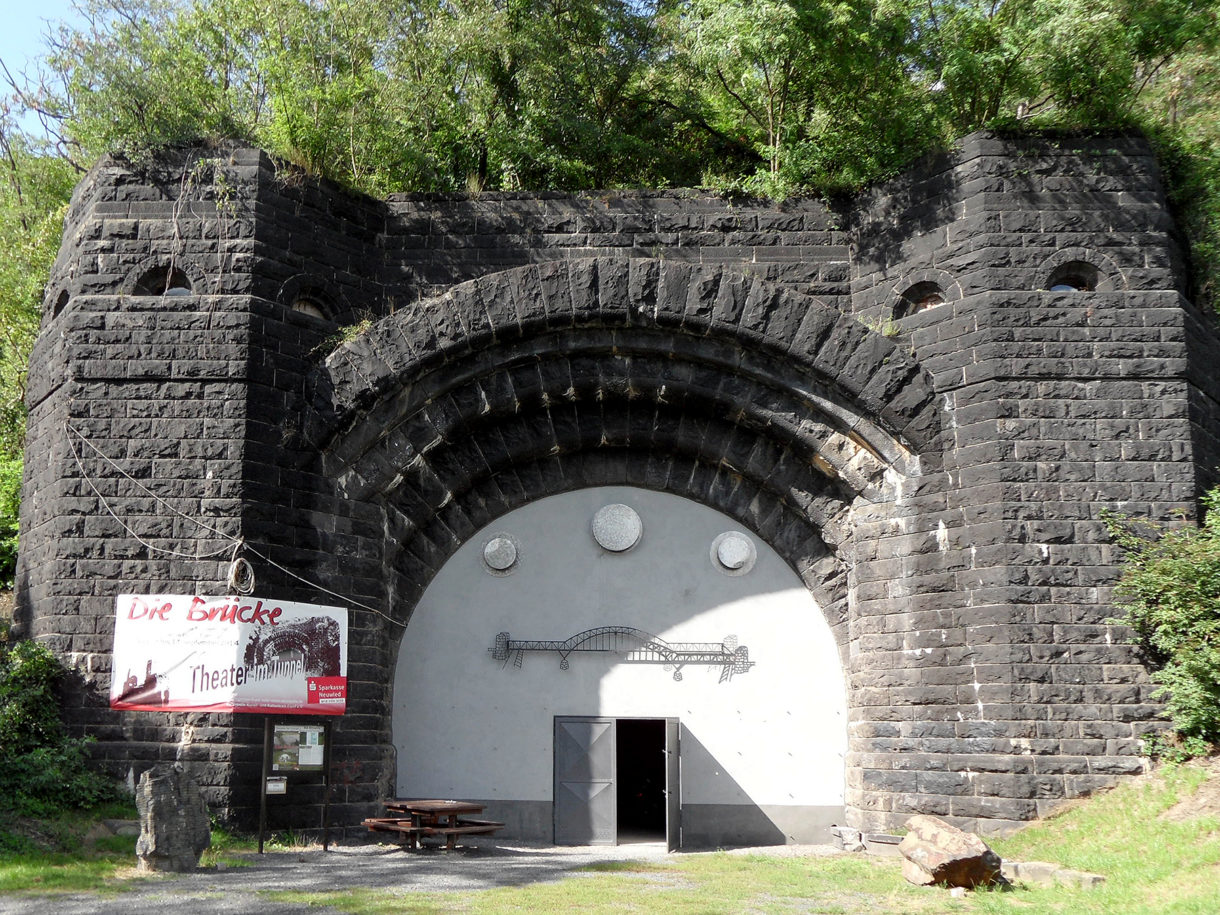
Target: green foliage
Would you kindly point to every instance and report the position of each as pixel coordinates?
(48, 780)
(1191, 162)
(381, 94)
(63, 853)
(822, 93)
(1170, 592)
(34, 191)
(1181, 111)
(29, 710)
(765, 95)
(10, 502)
(42, 771)
(1173, 748)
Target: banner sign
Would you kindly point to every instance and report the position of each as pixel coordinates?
(175, 652)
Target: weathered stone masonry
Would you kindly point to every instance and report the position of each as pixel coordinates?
(935, 478)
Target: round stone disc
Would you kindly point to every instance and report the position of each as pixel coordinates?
(617, 527)
(500, 554)
(734, 551)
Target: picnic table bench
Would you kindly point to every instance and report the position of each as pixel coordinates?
(431, 818)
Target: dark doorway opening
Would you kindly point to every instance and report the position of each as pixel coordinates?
(640, 761)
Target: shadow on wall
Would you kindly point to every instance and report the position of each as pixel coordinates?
(728, 817)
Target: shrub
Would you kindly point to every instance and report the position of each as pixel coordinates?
(42, 770)
(1170, 592)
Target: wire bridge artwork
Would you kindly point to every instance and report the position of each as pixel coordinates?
(636, 647)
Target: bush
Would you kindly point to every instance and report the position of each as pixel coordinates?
(42, 770)
(1170, 592)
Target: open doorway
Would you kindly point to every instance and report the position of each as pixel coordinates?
(640, 764)
(617, 781)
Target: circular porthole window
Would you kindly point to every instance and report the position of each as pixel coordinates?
(164, 281)
(307, 305)
(919, 298)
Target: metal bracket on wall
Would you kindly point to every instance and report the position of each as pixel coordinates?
(636, 647)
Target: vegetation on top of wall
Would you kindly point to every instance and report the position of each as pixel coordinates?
(1180, 112)
(1170, 594)
(768, 97)
(779, 95)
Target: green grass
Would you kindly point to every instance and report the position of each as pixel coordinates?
(706, 884)
(1152, 865)
(63, 832)
(228, 849)
(51, 855)
(60, 872)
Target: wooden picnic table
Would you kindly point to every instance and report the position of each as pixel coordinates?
(414, 819)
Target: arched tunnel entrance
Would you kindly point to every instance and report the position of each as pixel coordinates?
(619, 609)
(690, 392)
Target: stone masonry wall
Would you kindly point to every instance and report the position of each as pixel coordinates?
(149, 398)
(967, 555)
(439, 242)
(1004, 689)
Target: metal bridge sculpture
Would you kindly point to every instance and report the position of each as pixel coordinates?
(636, 647)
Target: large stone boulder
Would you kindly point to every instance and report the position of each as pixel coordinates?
(174, 825)
(935, 852)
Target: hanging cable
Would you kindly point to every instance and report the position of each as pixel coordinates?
(135, 536)
(241, 572)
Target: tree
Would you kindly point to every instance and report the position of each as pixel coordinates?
(1180, 108)
(34, 192)
(821, 90)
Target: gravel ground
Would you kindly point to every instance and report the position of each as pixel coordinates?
(482, 864)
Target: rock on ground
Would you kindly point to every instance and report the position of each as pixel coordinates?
(935, 852)
(174, 824)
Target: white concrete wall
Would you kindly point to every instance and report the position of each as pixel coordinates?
(467, 726)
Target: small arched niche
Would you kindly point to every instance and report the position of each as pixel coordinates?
(308, 295)
(922, 296)
(1074, 276)
(164, 280)
(61, 302)
(311, 304)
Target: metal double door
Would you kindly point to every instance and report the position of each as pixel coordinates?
(586, 793)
